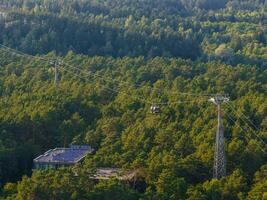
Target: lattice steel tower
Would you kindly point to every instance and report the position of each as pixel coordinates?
(56, 63)
(219, 168)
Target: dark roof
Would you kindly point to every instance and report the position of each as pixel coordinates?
(70, 155)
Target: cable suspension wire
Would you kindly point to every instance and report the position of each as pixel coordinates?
(89, 73)
(108, 88)
(131, 84)
(21, 53)
(15, 53)
(85, 77)
(245, 136)
(106, 79)
(117, 91)
(103, 78)
(167, 103)
(99, 76)
(128, 83)
(248, 138)
(248, 126)
(241, 113)
(182, 102)
(240, 117)
(139, 85)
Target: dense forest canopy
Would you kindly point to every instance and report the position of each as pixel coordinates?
(169, 28)
(118, 58)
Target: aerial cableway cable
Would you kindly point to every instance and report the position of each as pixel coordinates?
(244, 121)
(242, 114)
(106, 79)
(88, 74)
(124, 82)
(262, 142)
(123, 92)
(247, 136)
(17, 52)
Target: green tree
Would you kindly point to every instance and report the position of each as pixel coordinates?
(170, 187)
(259, 188)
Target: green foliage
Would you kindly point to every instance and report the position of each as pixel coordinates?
(66, 185)
(113, 189)
(61, 184)
(174, 148)
(134, 53)
(191, 29)
(169, 187)
(233, 187)
(259, 187)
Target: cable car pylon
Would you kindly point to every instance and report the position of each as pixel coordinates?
(219, 166)
(56, 63)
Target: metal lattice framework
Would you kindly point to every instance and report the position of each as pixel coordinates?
(55, 64)
(219, 168)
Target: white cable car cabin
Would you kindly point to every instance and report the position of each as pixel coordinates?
(155, 109)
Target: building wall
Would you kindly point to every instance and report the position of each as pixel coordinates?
(41, 166)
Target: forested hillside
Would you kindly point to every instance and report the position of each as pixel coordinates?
(119, 57)
(147, 28)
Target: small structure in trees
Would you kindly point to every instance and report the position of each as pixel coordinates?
(131, 177)
(114, 173)
(62, 157)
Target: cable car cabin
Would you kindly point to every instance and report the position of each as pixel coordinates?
(155, 109)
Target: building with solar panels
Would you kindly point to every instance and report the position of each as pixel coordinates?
(62, 157)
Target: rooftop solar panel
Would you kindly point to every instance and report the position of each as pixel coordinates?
(64, 155)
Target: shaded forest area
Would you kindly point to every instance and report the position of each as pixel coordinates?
(131, 53)
(147, 28)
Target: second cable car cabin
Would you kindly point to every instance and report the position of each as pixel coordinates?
(155, 109)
